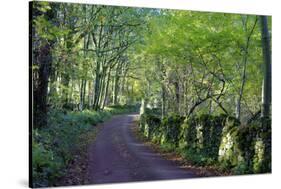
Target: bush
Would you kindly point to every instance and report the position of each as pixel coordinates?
(196, 158)
(153, 111)
(120, 109)
(53, 147)
(46, 166)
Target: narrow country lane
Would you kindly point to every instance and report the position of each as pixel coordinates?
(116, 156)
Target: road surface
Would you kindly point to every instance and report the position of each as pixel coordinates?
(117, 156)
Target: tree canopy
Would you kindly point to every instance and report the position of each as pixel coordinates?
(186, 62)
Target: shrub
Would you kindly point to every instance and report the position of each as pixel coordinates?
(46, 166)
(196, 158)
(120, 109)
(53, 147)
(153, 111)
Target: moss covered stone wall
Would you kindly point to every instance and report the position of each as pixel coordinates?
(219, 140)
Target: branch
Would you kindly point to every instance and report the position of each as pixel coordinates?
(254, 117)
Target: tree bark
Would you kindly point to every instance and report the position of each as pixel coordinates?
(42, 58)
(106, 89)
(97, 87)
(82, 94)
(102, 88)
(116, 84)
(40, 92)
(244, 74)
(266, 88)
(177, 92)
(163, 112)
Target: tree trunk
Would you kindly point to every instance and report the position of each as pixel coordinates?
(40, 92)
(211, 107)
(163, 112)
(238, 106)
(245, 60)
(97, 87)
(266, 88)
(82, 94)
(177, 92)
(90, 95)
(115, 87)
(241, 91)
(84, 81)
(102, 88)
(106, 90)
(143, 106)
(42, 58)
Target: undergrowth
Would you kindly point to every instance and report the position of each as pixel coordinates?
(54, 147)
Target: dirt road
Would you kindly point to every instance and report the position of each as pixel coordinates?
(116, 156)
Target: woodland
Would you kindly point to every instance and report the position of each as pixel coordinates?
(201, 80)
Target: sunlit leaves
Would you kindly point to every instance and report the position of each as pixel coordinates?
(211, 46)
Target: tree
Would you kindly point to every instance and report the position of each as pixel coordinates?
(266, 87)
(42, 44)
(178, 61)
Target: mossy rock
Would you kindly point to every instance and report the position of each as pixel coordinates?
(203, 133)
(250, 149)
(171, 127)
(230, 154)
(150, 125)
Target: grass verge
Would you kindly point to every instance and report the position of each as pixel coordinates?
(59, 151)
